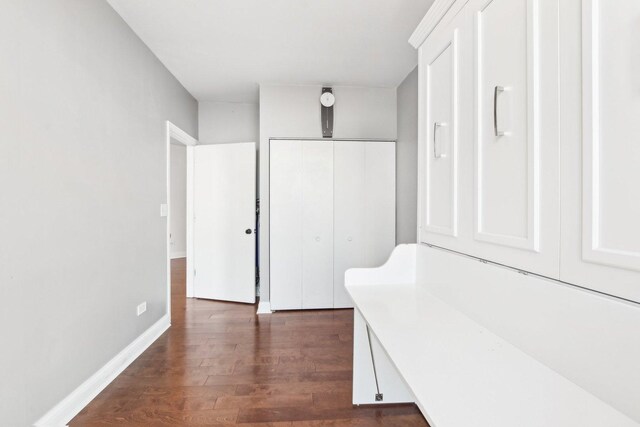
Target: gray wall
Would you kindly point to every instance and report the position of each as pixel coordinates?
(221, 122)
(83, 105)
(407, 160)
(294, 111)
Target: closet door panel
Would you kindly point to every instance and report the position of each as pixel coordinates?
(349, 214)
(286, 224)
(317, 224)
(380, 202)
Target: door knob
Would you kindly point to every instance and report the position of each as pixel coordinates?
(248, 231)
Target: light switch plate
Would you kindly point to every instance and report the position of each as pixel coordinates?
(164, 210)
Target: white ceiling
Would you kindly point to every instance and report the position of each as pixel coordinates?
(221, 50)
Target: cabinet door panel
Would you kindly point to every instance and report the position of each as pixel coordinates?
(317, 223)
(516, 134)
(440, 214)
(286, 224)
(611, 132)
(601, 202)
(349, 214)
(506, 178)
(445, 135)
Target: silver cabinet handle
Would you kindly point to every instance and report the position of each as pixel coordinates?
(496, 91)
(436, 125)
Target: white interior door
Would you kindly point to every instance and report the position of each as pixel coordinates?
(224, 222)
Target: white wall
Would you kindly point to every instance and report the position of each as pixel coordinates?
(221, 122)
(83, 105)
(294, 111)
(178, 200)
(407, 160)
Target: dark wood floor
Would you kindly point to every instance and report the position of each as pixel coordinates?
(220, 364)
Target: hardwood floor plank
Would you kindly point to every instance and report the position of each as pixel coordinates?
(220, 364)
(333, 399)
(386, 421)
(288, 388)
(315, 414)
(265, 401)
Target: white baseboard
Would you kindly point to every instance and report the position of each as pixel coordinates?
(264, 307)
(71, 405)
(175, 255)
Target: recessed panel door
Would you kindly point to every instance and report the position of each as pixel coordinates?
(516, 133)
(439, 66)
(601, 165)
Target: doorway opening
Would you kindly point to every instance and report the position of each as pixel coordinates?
(180, 242)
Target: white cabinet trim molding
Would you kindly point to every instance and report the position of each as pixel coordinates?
(436, 13)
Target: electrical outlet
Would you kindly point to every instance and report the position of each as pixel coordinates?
(142, 308)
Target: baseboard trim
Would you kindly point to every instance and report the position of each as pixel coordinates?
(264, 307)
(71, 405)
(175, 255)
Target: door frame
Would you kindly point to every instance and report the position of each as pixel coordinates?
(173, 131)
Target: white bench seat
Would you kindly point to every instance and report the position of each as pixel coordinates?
(462, 375)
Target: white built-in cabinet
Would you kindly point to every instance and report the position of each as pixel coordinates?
(529, 121)
(600, 134)
(332, 207)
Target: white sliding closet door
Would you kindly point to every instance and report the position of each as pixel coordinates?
(285, 191)
(365, 210)
(350, 214)
(332, 208)
(317, 224)
(380, 208)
